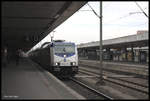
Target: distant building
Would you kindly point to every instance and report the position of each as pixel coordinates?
(142, 31)
(133, 48)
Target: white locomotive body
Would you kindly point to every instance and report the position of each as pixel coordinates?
(59, 57)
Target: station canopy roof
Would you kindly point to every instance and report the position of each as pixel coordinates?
(26, 23)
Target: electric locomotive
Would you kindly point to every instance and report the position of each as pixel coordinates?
(59, 57)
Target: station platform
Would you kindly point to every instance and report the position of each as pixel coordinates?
(30, 81)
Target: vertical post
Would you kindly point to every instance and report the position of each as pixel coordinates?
(132, 52)
(52, 36)
(101, 50)
(101, 82)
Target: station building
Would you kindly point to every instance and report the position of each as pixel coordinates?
(132, 48)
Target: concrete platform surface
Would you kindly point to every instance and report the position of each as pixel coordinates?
(29, 81)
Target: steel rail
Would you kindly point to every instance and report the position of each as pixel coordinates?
(119, 79)
(122, 84)
(95, 91)
(130, 82)
(120, 72)
(127, 86)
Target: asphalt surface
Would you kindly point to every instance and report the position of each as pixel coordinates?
(27, 81)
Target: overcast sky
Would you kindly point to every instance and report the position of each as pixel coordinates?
(84, 26)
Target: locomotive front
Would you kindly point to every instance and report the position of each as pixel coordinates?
(65, 58)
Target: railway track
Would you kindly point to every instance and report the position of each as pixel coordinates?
(92, 89)
(121, 82)
(118, 71)
(111, 75)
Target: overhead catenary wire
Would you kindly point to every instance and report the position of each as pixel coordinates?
(127, 15)
(141, 9)
(93, 10)
(141, 24)
(127, 25)
(119, 18)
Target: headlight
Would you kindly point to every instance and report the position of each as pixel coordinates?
(64, 56)
(57, 63)
(73, 63)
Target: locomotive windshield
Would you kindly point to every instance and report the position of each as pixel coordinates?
(65, 48)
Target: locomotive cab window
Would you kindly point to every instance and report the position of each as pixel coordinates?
(69, 48)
